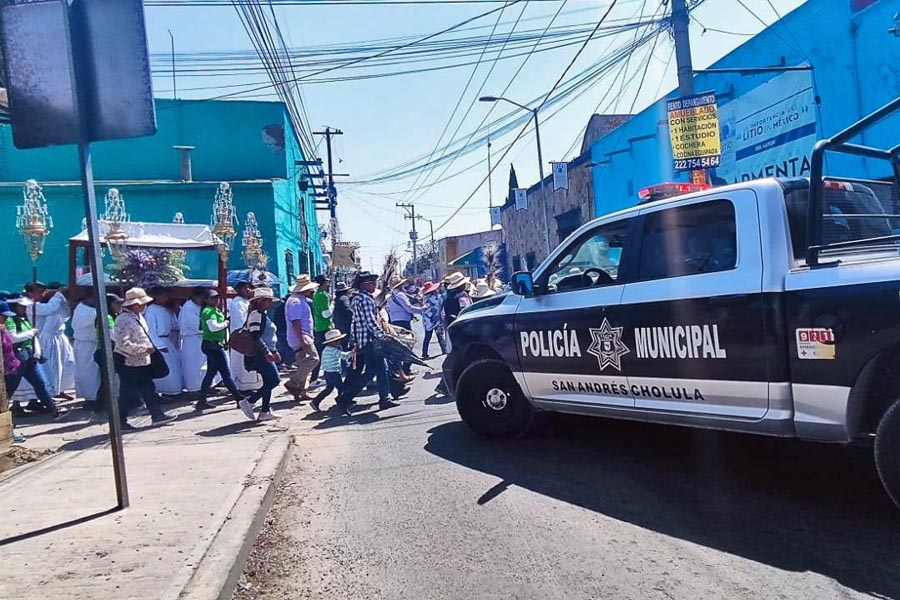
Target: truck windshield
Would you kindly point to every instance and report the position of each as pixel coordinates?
(852, 211)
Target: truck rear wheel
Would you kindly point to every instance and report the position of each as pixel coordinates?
(887, 452)
(490, 401)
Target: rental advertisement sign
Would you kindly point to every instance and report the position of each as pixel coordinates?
(694, 131)
(769, 131)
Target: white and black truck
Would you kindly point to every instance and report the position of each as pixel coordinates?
(769, 307)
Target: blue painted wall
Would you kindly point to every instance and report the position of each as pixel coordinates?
(248, 144)
(855, 70)
(157, 202)
(233, 141)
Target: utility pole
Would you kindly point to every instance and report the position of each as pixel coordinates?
(490, 188)
(174, 80)
(413, 235)
(681, 32)
(331, 192)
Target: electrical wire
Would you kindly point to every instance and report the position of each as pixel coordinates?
(441, 176)
(524, 129)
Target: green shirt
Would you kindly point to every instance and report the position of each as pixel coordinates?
(211, 313)
(22, 325)
(319, 305)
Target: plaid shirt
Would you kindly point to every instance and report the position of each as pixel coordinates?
(364, 327)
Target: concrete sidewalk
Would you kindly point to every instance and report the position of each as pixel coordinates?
(199, 488)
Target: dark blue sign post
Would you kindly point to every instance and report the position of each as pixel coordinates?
(78, 71)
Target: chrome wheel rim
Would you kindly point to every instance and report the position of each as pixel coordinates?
(496, 399)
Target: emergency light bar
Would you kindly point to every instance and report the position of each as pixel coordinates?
(670, 189)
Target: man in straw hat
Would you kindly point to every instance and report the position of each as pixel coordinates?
(366, 330)
(134, 344)
(298, 314)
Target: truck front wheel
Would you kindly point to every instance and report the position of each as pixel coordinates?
(887, 452)
(490, 401)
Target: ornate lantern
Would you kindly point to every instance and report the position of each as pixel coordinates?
(33, 220)
(252, 242)
(115, 216)
(224, 219)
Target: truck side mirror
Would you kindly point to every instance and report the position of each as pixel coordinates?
(522, 283)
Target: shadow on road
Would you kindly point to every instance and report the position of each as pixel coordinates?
(792, 505)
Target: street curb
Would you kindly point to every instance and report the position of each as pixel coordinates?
(218, 571)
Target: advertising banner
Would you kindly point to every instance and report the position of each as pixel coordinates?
(694, 131)
(495, 215)
(769, 131)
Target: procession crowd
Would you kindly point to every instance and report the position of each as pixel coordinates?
(164, 348)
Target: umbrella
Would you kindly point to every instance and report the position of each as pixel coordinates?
(254, 276)
(397, 351)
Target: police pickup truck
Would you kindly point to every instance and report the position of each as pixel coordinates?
(770, 307)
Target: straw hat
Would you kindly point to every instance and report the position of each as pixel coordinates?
(333, 335)
(136, 295)
(304, 284)
(261, 293)
(430, 287)
(397, 282)
(483, 290)
(456, 280)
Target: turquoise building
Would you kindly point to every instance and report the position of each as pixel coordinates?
(250, 145)
(847, 51)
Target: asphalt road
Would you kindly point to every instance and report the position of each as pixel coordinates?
(408, 504)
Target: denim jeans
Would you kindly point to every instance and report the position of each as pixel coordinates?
(439, 331)
(33, 372)
(286, 352)
(217, 362)
(270, 379)
(375, 367)
(333, 382)
(137, 385)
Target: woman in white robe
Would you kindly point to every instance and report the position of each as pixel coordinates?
(193, 361)
(87, 372)
(160, 323)
(238, 309)
(51, 325)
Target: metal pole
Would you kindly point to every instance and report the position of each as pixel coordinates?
(546, 200)
(490, 188)
(174, 81)
(106, 363)
(415, 269)
(681, 32)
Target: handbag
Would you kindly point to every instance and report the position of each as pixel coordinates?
(242, 342)
(158, 367)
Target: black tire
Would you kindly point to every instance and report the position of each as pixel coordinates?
(482, 379)
(887, 452)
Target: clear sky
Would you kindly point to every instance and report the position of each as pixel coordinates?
(390, 121)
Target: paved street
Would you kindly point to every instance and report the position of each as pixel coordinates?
(407, 503)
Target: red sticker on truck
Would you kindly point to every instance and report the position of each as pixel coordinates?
(815, 343)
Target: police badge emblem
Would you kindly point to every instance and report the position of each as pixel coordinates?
(607, 346)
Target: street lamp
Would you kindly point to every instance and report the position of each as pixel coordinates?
(537, 134)
(33, 222)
